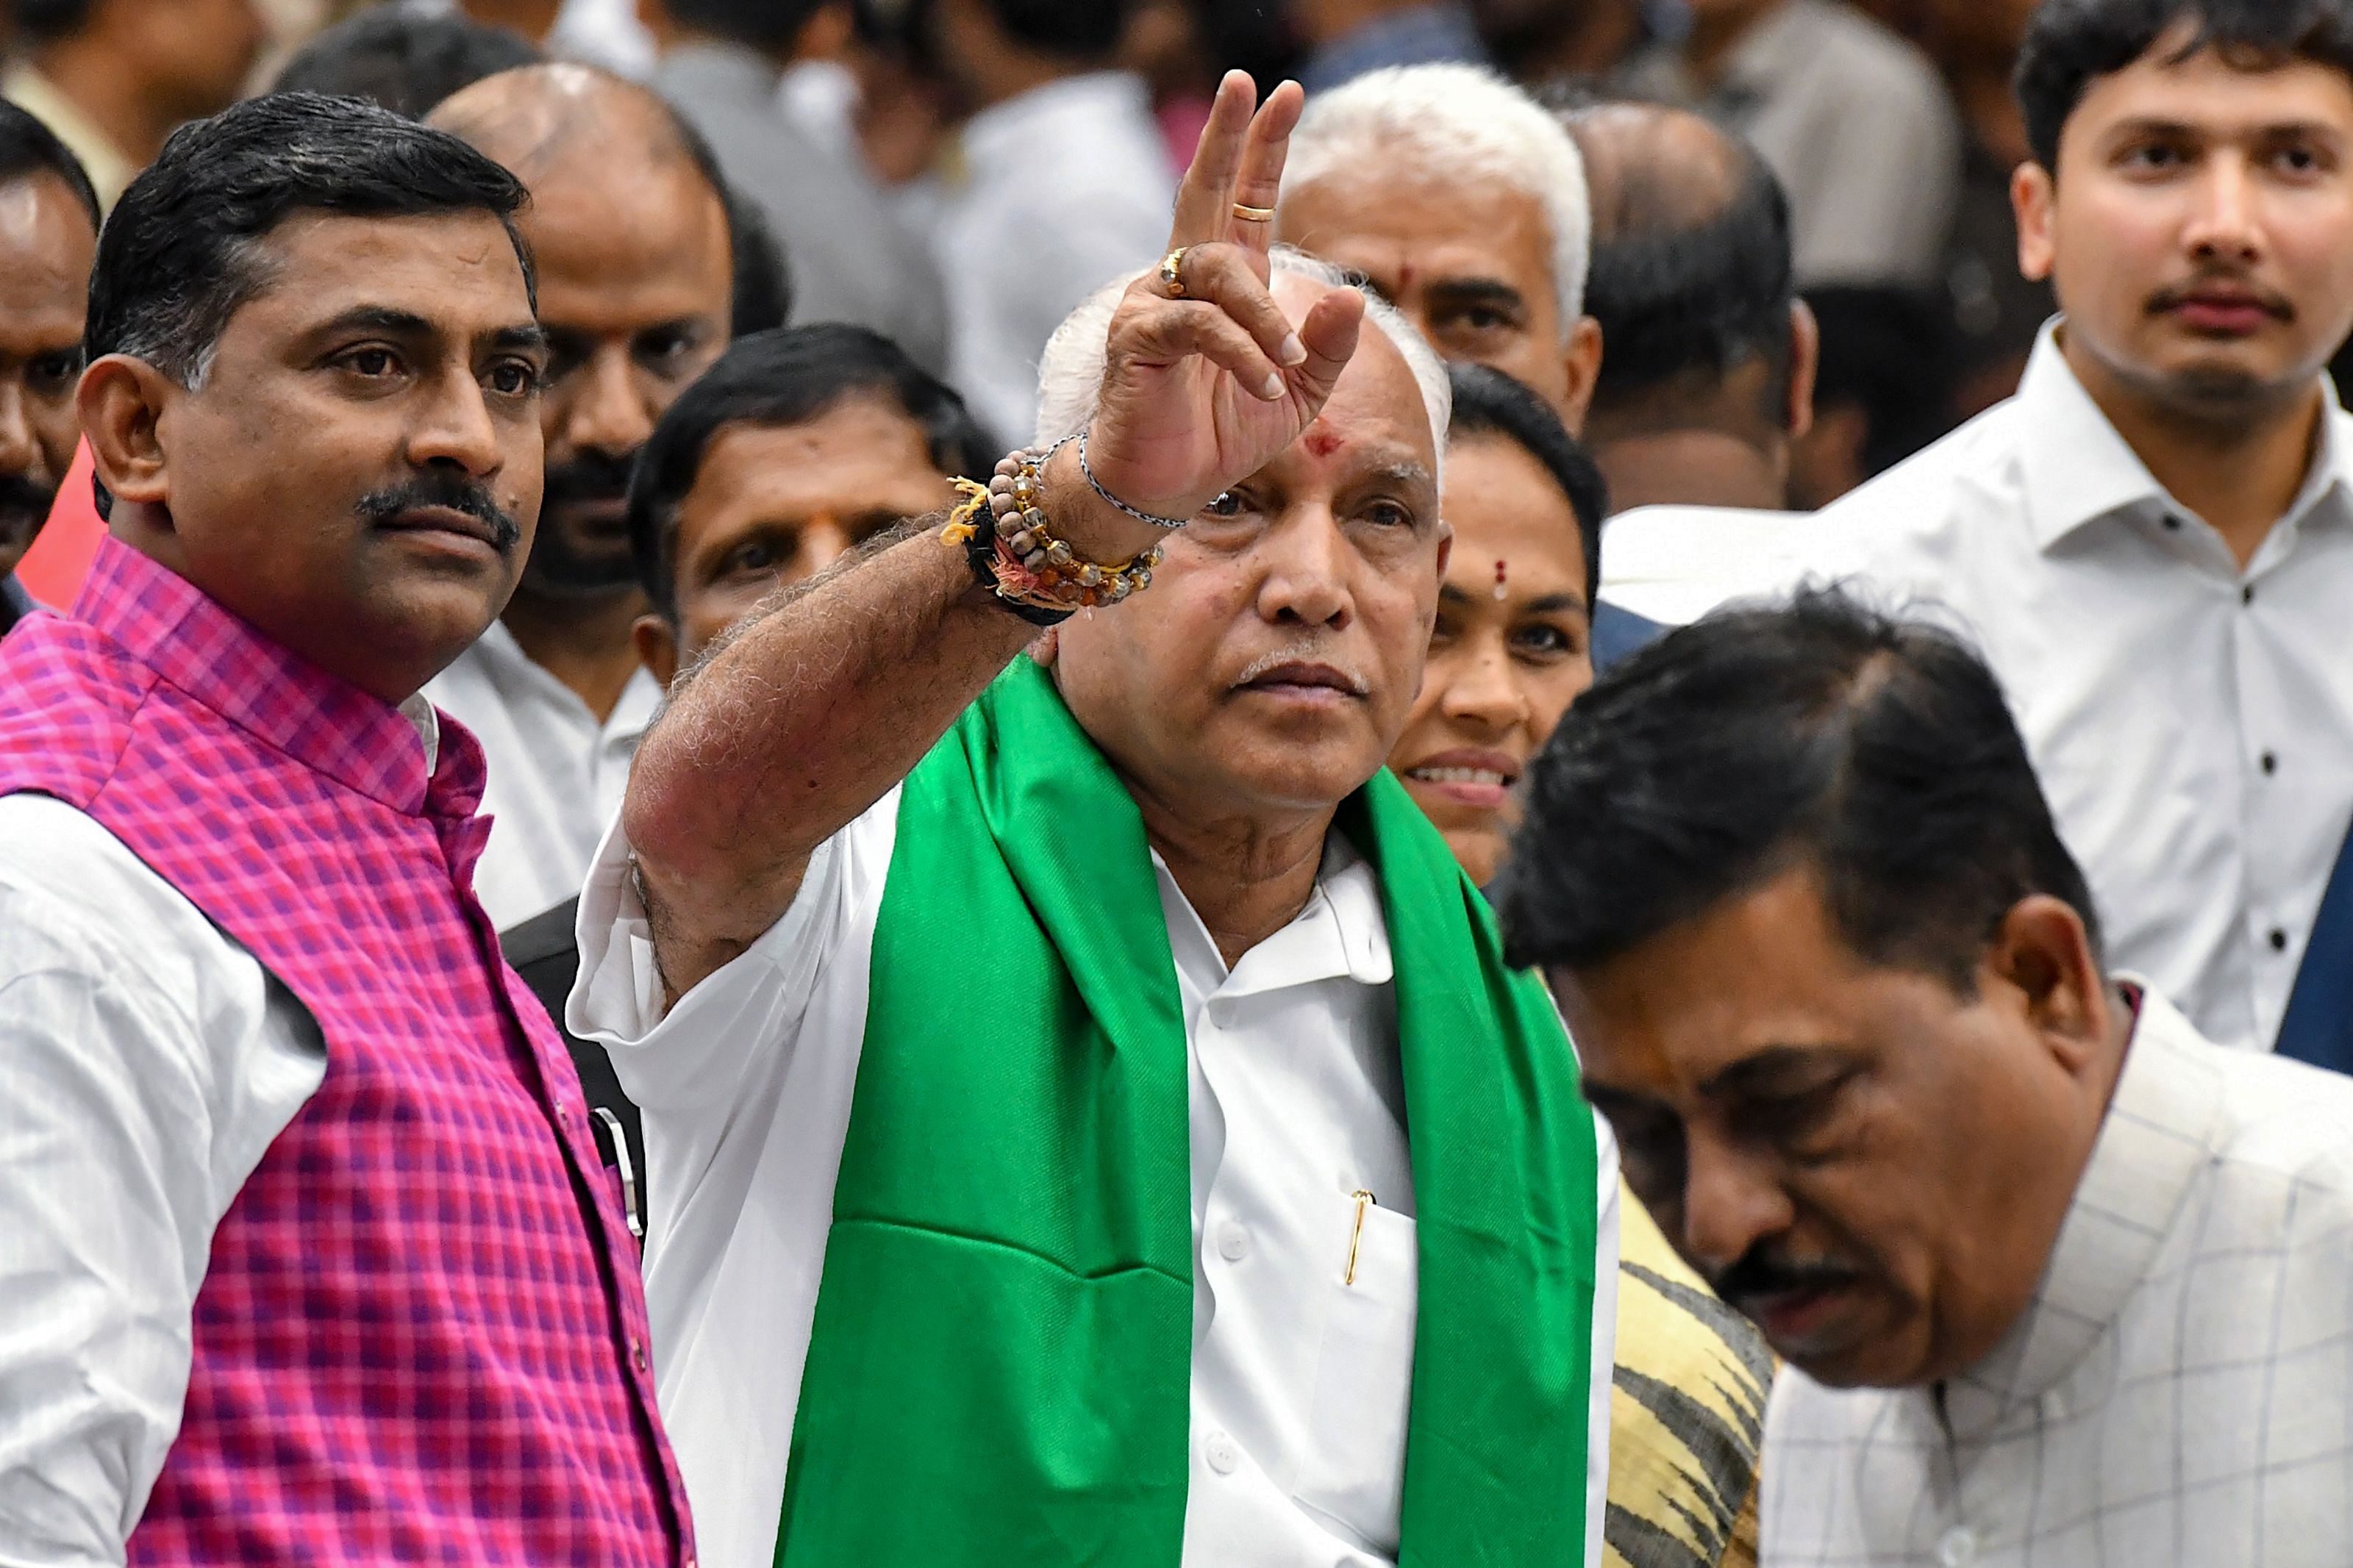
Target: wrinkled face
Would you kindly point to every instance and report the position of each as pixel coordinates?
(775, 504)
(1869, 1165)
(1469, 262)
(2200, 233)
(46, 246)
(635, 289)
(1271, 664)
(1512, 649)
(359, 473)
(198, 53)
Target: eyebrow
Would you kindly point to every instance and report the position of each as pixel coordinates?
(2158, 125)
(1758, 1074)
(532, 336)
(1476, 291)
(394, 323)
(1551, 603)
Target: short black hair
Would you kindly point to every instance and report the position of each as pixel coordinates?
(1489, 403)
(28, 148)
(782, 378)
(765, 25)
(2070, 43)
(1875, 751)
(1084, 32)
(45, 21)
(1679, 300)
(1892, 353)
(180, 255)
(406, 62)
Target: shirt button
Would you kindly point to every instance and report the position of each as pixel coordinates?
(638, 1353)
(1233, 1241)
(1222, 1454)
(2279, 939)
(2172, 523)
(1958, 1548)
(2247, 594)
(2271, 762)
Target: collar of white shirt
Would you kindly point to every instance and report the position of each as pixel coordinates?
(1340, 933)
(2158, 1133)
(2077, 470)
(517, 672)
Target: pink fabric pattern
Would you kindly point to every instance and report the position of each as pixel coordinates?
(422, 1338)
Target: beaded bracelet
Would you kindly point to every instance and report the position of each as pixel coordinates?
(1038, 575)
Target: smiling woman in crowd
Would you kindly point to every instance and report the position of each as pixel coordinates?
(1513, 642)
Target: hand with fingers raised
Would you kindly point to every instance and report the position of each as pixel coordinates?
(1206, 380)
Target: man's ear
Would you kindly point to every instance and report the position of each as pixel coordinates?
(1805, 365)
(120, 401)
(656, 645)
(2043, 952)
(2033, 197)
(1584, 366)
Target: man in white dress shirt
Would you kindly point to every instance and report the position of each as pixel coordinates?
(636, 244)
(1064, 185)
(1130, 922)
(2059, 1281)
(2153, 542)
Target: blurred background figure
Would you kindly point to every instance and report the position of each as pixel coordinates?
(1707, 370)
(405, 61)
(1461, 202)
(722, 64)
(1851, 117)
(49, 235)
(1345, 39)
(1541, 41)
(113, 78)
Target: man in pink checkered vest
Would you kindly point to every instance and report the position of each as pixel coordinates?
(306, 1253)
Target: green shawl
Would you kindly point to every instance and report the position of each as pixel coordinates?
(999, 1369)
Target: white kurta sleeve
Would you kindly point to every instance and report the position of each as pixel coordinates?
(148, 1066)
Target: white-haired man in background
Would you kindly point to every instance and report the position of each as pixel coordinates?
(1090, 1120)
(1462, 202)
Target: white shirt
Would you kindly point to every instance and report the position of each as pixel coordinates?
(1064, 188)
(556, 774)
(1673, 564)
(1299, 1384)
(2181, 1391)
(150, 1063)
(2191, 723)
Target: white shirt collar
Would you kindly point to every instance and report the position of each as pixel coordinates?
(632, 711)
(2078, 470)
(1340, 934)
(2156, 1137)
(420, 711)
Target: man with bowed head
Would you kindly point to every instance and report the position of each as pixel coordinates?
(2059, 1281)
(1088, 1118)
(304, 1219)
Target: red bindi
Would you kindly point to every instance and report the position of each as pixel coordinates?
(1321, 442)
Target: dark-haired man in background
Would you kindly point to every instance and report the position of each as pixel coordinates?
(403, 59)
(302, 1219)
(638, 249)
(794, 448)
(1708, 374)
(2059, 1280)
(2153, 541)
(721, 63)
(48, 232)
(112, 78)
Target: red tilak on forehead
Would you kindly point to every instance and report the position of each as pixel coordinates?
(1321, 440)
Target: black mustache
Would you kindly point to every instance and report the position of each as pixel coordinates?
(2277, 306)
(1760, 1272)
(458, 494)
(591, 475)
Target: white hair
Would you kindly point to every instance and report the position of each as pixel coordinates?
(1448, 123)
(1071, 371)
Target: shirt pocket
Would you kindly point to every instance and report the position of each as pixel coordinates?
(1354, 1469)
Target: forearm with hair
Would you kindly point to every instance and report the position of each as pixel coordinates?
(799, 718)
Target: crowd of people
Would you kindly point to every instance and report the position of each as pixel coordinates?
(798, 782)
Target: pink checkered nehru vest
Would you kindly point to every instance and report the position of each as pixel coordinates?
(422, 1337)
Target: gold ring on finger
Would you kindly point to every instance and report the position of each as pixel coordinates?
(1172, 271)
(1254, 215)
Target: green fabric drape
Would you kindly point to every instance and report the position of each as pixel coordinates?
(1000, 1363)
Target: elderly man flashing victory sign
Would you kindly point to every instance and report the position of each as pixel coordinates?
(1089, 1114)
